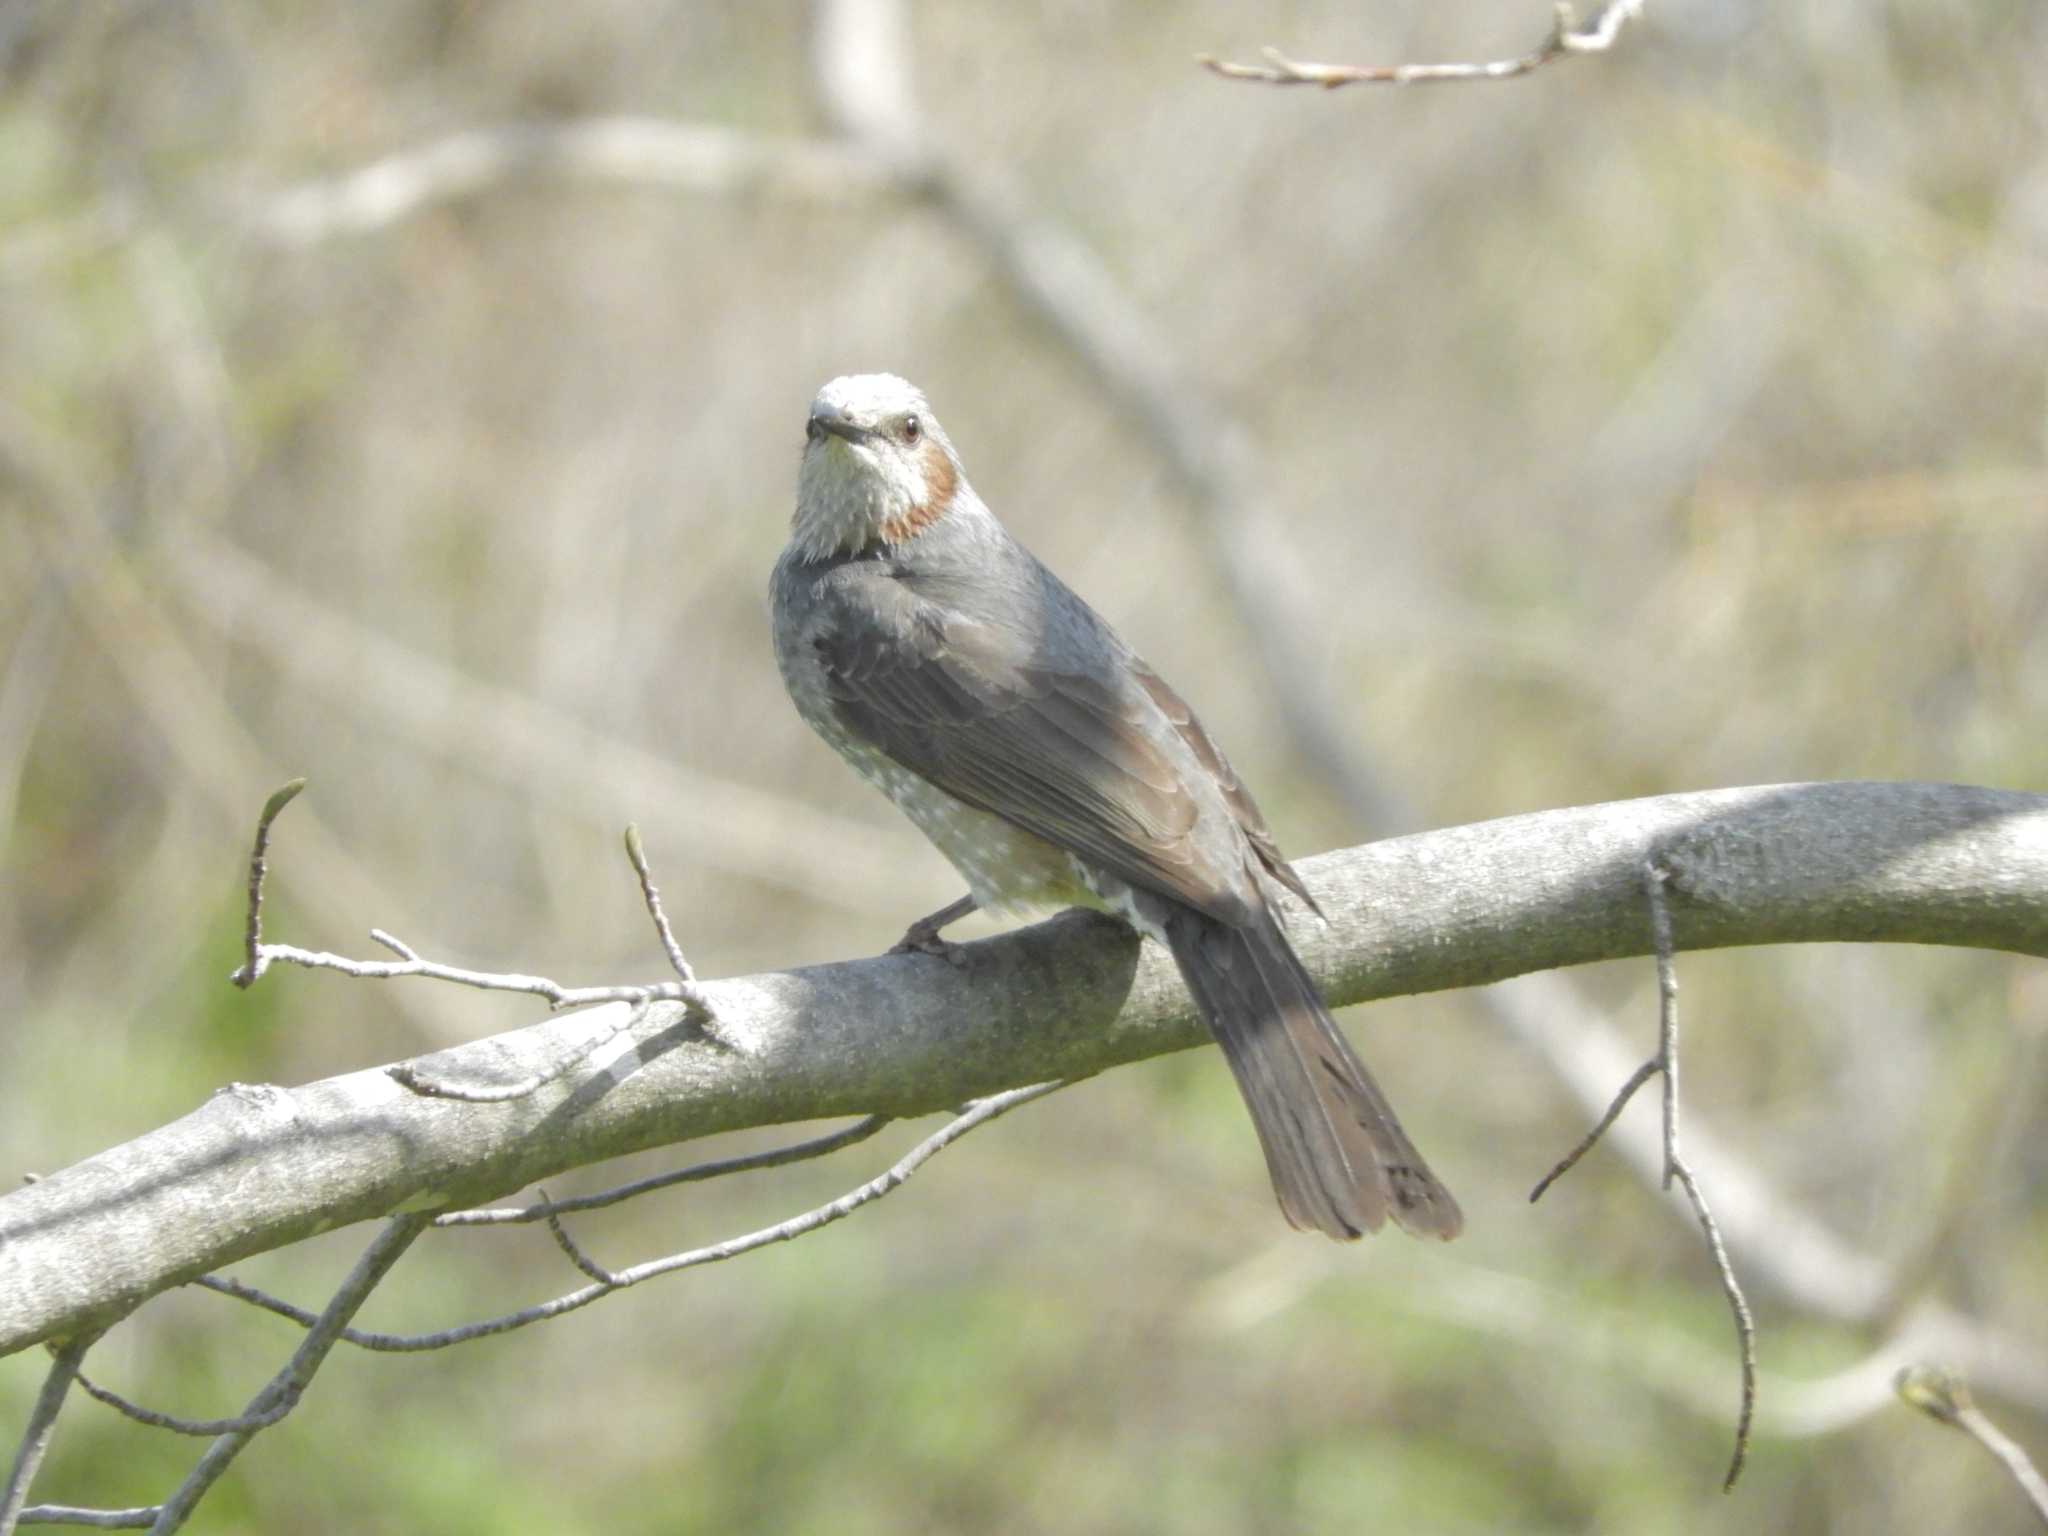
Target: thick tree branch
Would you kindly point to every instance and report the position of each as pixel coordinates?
(258, 1167)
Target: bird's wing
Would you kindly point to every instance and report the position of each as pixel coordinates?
(1057, 750)
(1235, 795)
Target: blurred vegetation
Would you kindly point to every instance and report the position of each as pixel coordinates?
(1669, 419)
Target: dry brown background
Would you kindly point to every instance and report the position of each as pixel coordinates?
(1668, 419)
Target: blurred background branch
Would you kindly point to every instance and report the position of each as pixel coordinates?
(1565, 37)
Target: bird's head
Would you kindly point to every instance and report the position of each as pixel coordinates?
(877, 466)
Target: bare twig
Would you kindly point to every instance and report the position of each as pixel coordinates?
(42, 1424)
(1790, 1248)
(257, 961)
(1565, 1164)
(1675, 1166)
(1945, 1396)
(1738, 1307)
(558, 996)
(1665, 1063)
(775, 1157)
(577, 1256)
(972, 1116)
(684, 991)
(202, 1428)
(285, 1388)
(648, 890)
(1565, 37)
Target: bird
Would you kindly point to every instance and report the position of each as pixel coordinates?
(1035, 749)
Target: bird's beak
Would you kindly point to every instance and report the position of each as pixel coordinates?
(830, 419)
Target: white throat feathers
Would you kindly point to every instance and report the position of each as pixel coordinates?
(876, 466)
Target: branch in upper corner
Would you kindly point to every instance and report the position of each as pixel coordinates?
(1945, 1396)
(1565, 37)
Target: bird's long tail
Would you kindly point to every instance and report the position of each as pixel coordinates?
(1339, 1159)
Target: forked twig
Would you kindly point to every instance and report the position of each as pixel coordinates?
(1665, 1063)
(979, 1113)
(775, 1157)
(283, 1389)
(684, 990)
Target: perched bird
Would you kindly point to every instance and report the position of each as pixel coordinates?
(1054, 768)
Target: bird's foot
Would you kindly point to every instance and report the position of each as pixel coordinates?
(920, 942)
(922, 937)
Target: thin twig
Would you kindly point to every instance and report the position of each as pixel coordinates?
(288, 1384)
(1665, 1063)
(775, 1157)
(203, 1428)
(978, 1114)
(684, 991)
(1564, 37)
(1666, 950)
(1945, 1396)
(255, 963)
(558, 996)
(577, 1256)
(397, 946)
(42, 1424)
(1738, 1307)
(653, 897)
(228, 1285)
(1640, 1076)
(1675, 1166)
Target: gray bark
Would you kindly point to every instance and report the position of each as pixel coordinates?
(257, 1167)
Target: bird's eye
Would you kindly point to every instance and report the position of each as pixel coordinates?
(812, 431)
(913, 429)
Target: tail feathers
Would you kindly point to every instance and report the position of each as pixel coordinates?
(1340, 1162)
